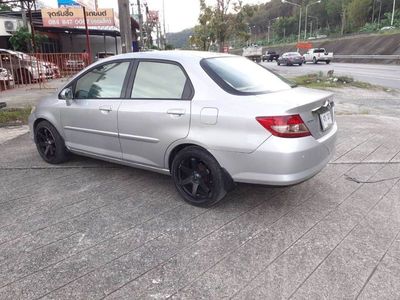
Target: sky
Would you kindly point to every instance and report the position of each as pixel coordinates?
(179, 14)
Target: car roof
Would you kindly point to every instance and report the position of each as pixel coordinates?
(176, 55)
(7, 50)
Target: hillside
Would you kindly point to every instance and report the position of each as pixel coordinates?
(381, 44)
(179, 39)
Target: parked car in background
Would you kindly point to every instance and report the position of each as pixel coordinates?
(49, 73)
(75, 62)
(25, 68)
(270, 56)
(208, 119)
(290, 59)
(6, 79)
(316, 55)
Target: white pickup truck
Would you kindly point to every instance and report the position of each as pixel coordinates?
(318, 54)
(253, 53)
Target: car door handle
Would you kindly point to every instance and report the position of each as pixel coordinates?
(176, 112)
(105, 108)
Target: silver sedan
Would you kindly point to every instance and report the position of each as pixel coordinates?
(208, 119)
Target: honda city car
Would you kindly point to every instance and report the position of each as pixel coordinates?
(207, 119)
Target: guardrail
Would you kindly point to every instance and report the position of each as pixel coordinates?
(374, 57)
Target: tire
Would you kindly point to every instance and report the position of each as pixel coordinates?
(198, 177)
(328, 62)
(314, 60)
(278, 63)
(50, 144)
(300, 64)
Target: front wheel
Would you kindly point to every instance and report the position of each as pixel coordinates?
(314, 60)
(328, 62)
(198, 177)
(278, 63)
(300, 64)
(50, 144)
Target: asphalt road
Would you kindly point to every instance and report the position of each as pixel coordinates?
(384, 75)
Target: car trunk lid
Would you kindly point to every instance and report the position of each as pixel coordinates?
(312, 105)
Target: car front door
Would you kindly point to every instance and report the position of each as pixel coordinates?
(157, 113)
(90, 120)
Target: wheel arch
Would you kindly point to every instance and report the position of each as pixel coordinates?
(228, 181)
(52, 120)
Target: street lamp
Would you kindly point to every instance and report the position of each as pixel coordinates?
(298, 5)
(305, 22)
(269, 26)
(394, 8)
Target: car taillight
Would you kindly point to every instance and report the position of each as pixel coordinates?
(285, 126)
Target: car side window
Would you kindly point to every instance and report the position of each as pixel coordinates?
(158, 80)
(105, 81)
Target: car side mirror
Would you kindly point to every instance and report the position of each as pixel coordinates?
(66, 94)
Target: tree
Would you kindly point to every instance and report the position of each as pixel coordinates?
(21, 40)
(358, 12)
(5, 7)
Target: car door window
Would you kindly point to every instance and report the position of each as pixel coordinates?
(103, 82)
(158, 80)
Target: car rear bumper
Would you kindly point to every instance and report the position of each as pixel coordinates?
(324, 58)
(280, 161)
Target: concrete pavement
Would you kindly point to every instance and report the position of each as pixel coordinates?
(89, 230)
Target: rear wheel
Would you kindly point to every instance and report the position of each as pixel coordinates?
(50, 144)
(300, 64)
(278, 63)
(328, 62)
(314, 60)
(198, 177)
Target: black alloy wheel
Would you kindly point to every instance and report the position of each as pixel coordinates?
(46, 143)
(198, 177)
(195, 178)
(50, 144)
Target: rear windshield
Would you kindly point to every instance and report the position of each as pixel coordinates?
(319, 51)
(238, 75)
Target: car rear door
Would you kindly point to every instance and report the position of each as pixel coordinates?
(157, 112)
(90, 120)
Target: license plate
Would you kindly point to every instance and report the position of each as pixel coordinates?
(326, 120)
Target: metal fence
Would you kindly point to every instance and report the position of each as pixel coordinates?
(19, 69)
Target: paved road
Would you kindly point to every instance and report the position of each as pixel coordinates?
(384, 75)
(89, 230)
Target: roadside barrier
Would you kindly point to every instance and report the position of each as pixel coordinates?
(19, 69)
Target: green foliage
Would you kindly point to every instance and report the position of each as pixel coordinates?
(169, 47)
(321, 81)
(358, 12)
(5, 7)
(21, 40)
(12, 116)
(249, 23)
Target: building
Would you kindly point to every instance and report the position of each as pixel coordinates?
(62, 40)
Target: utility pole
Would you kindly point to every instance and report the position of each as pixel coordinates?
(89, 50)
(165, 33)
(140, 24)
(394, 8)
(125, 26)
